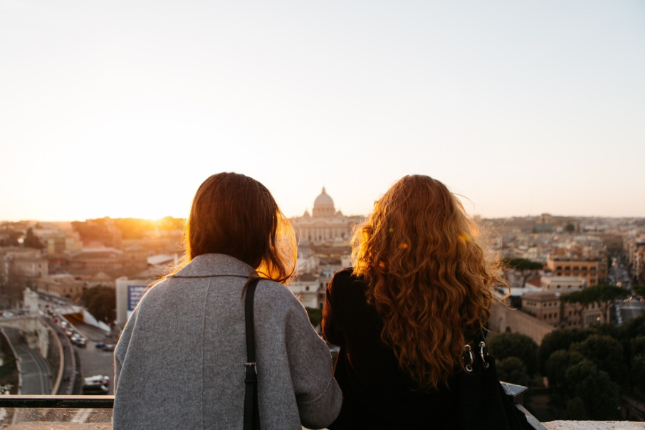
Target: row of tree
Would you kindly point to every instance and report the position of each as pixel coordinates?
(100, 301)
(587, 368)
(602, 295)
(130, 228)
(11, 237)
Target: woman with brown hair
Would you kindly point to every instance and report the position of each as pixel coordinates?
(182, 358)
(421, 283)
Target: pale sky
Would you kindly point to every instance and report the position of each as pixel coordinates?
(122, 108)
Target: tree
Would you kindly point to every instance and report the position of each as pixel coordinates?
(636, 352)
(611, 330)
(638, 345)
(603, 295)
(635, 327)
(170, 223)
(505, 345)
(578, 298)
(513, 370)
(570, 228)
(315, 316)
(638, 372)
(100, 301)
(594, 387)
(639, 290)
(560, 339)
(576, 410)
(10, 237)
(605, 352)
(32, 241)
(556, 367)
(12, 286)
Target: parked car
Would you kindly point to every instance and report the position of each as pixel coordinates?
(108, 347)
(99, 345)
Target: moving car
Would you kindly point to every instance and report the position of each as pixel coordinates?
(79, 340)
(102, 379)
(97, 384)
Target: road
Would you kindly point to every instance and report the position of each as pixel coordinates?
(69, 369)
(36, 377)
(91, 361)
(94, 361)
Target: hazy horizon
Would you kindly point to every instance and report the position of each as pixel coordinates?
(366, 214)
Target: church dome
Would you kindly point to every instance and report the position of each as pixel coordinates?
(323, 200)
(323, 205)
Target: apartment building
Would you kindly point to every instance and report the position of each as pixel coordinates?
(562, 283)
(594, 271)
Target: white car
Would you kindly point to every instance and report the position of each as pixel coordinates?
(97, 379)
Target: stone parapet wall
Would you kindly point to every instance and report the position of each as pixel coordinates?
(594, 425)
(503, 319)
(553, 425)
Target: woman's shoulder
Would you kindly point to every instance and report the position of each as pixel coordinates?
(152, 291)
(346, 282)
(275, 293)
(346, 276)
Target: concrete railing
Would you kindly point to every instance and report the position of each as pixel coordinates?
(101, 407)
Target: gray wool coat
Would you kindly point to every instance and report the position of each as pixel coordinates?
(179, 362)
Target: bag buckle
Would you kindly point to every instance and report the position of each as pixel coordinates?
(252, 364)
(482, 353)
(468, 358)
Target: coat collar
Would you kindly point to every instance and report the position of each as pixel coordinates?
(215, 265)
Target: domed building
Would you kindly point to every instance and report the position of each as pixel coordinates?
(326, 224)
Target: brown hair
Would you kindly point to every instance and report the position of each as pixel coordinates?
(427, 275)
(236, 215)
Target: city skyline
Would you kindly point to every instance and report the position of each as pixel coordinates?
(122, 109)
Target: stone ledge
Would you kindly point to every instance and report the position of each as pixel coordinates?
(594, 425)
(553, 425)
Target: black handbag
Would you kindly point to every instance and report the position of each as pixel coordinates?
(251, 408)
(483, 403)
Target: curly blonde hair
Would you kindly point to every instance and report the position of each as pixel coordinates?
(427, 275)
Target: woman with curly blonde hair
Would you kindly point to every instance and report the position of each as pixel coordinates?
(420, 285)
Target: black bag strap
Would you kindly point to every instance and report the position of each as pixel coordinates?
(251, 412)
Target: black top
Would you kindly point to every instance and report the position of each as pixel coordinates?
(377, 394)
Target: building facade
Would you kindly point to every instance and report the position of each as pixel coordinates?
(594, 271)
(325, 224)
(562, 283)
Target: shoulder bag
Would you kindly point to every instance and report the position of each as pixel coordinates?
(483, 403)
(251, 409)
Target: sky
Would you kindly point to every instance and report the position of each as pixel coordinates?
(122, 108)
